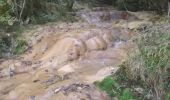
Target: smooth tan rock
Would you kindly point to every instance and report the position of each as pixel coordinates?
(137, 24)
(109, 38)
(66, 69)
(25, 91)
(78, 50)
(66, 49)
(96, 43)
(101, 74)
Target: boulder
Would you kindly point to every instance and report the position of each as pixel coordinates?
(96, 43)
(109, 38)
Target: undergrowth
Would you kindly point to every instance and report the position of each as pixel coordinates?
(12, 43)
(146, 74)
(114, 89)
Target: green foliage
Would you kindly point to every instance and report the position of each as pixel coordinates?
(12, 43)
(150, 68)
(107, 85)
(167, 96)
(5, 17)
(26, 11)
(5, 44)
(115, 89)
(20, 46)
(126, 95)
(16, 13)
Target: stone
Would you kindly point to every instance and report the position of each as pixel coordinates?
(109, 38)
(137, 24)
(96, 43)
(66, 69)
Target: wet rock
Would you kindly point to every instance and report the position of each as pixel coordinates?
(78, 50)
(66, 69)
(101, 74)
(109, 39)
(80, 91)
(137, 24)
(66, 49)
(25, 91)
(6, 87)
(52, 80)
(96, 43)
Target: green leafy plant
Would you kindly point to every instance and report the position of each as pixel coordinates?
(115, 89)
(20, 46)
(107, 85)
(126, 95)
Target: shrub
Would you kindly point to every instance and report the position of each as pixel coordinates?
(126, 95)
(152, 63)
(24, 11)
(12, 43)
(115, 89)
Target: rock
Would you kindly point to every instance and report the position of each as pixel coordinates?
(107, 71)
(96, 43)
(66, 49)
(139, 90)
(101, 74)
(66, 69)
(109, 38)
(25, 91)
(43, 74)
(80, 91)
(9, 71)
(137, 24)
(78, 50)
(126, 34)
(87, 35)
(57, 90)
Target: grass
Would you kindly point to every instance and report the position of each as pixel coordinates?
(154, 46)
(149, 69)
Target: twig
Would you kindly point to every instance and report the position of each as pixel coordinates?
(168, 9)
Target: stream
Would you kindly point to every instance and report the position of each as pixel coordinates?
(65, 59)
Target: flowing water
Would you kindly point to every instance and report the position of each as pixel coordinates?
(64, 59)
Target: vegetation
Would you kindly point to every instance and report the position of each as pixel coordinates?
(12, 44)
(135, 5)
(132, 5)
(115, 89)
(16, 13)
(148, 70)
(24, 11)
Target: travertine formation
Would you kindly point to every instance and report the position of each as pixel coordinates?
(64, 60)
